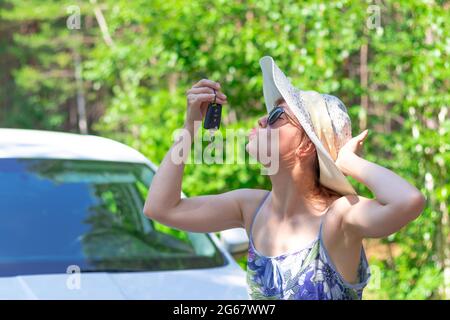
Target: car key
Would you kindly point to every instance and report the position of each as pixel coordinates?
(213, 116)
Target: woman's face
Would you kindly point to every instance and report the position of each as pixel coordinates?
(289, 136)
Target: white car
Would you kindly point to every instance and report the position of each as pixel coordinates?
(72, 227)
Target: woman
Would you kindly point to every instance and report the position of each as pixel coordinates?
(306, 232)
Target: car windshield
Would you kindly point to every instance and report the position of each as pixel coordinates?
(61, 215)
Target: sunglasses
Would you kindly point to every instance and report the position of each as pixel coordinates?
(276, 113)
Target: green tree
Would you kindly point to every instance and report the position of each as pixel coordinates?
(138, 58)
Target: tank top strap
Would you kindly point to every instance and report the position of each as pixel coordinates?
(322, 218)
(258, 209)
(321, 225)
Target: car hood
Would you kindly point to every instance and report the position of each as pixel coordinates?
(201, 284)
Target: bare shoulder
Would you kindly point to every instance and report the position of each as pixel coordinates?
(337, 213)
(344, 203)
(248, 200)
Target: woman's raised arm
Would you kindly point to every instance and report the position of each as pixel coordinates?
(209, 213)
(396, 202)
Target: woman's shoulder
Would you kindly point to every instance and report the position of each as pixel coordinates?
(249, 200)
(339, 205)
(333, 223)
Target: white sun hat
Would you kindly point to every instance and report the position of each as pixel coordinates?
(323, 117)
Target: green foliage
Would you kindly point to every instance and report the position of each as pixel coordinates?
(135, 90)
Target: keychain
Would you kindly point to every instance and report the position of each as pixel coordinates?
(213, 117)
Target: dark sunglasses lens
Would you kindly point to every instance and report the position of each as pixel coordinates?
(274, 115)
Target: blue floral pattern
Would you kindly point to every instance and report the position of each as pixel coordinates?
(307, 274)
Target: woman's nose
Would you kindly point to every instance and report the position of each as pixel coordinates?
(262, 122)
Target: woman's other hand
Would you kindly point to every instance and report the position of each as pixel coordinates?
(353, 147)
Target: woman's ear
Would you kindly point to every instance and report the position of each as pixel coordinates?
(304, 149)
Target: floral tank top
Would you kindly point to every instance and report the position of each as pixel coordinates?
(307, 274)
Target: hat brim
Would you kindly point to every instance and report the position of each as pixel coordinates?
(275, 86)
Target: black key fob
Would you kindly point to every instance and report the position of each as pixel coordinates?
(213, 116)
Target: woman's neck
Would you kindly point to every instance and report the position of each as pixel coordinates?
(295, 192)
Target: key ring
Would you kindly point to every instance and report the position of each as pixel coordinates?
(215, 95)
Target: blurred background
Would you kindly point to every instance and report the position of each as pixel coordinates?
(120, 69)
